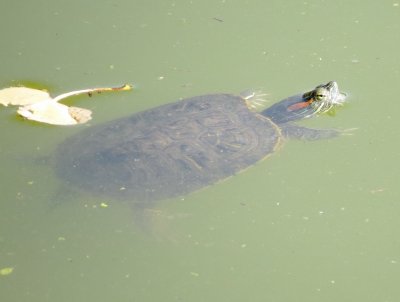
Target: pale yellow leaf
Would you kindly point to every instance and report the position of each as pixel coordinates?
(54, 113)
(37, 105)
(22, 96)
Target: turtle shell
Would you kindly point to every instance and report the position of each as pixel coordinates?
(168, 151)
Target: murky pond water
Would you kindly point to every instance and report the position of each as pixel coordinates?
(315, 222)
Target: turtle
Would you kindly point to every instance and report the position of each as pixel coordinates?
(174, 149)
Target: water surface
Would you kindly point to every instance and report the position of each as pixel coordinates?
(315, 222)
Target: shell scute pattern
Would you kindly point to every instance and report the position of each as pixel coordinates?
(170, 150)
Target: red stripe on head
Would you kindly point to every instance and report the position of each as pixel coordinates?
(299, 105)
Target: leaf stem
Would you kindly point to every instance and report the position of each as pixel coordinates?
(90, 90)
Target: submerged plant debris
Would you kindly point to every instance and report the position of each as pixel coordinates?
(38, 105)
(6, 271)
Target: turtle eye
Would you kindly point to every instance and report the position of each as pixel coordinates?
(320, 95)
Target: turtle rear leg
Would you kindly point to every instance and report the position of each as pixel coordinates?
(156, 222)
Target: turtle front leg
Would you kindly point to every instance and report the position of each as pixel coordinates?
(297, 132)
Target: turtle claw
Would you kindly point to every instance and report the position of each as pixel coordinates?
(349, 131)
(254, 99)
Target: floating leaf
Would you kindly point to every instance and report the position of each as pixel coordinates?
(6, 271)
(52, 112)
(37, 105)
(22, 96)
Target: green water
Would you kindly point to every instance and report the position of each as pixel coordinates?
(316, 222)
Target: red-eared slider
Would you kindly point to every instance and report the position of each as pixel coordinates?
(178, 148)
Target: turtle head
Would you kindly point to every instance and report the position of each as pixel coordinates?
(319, 100)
